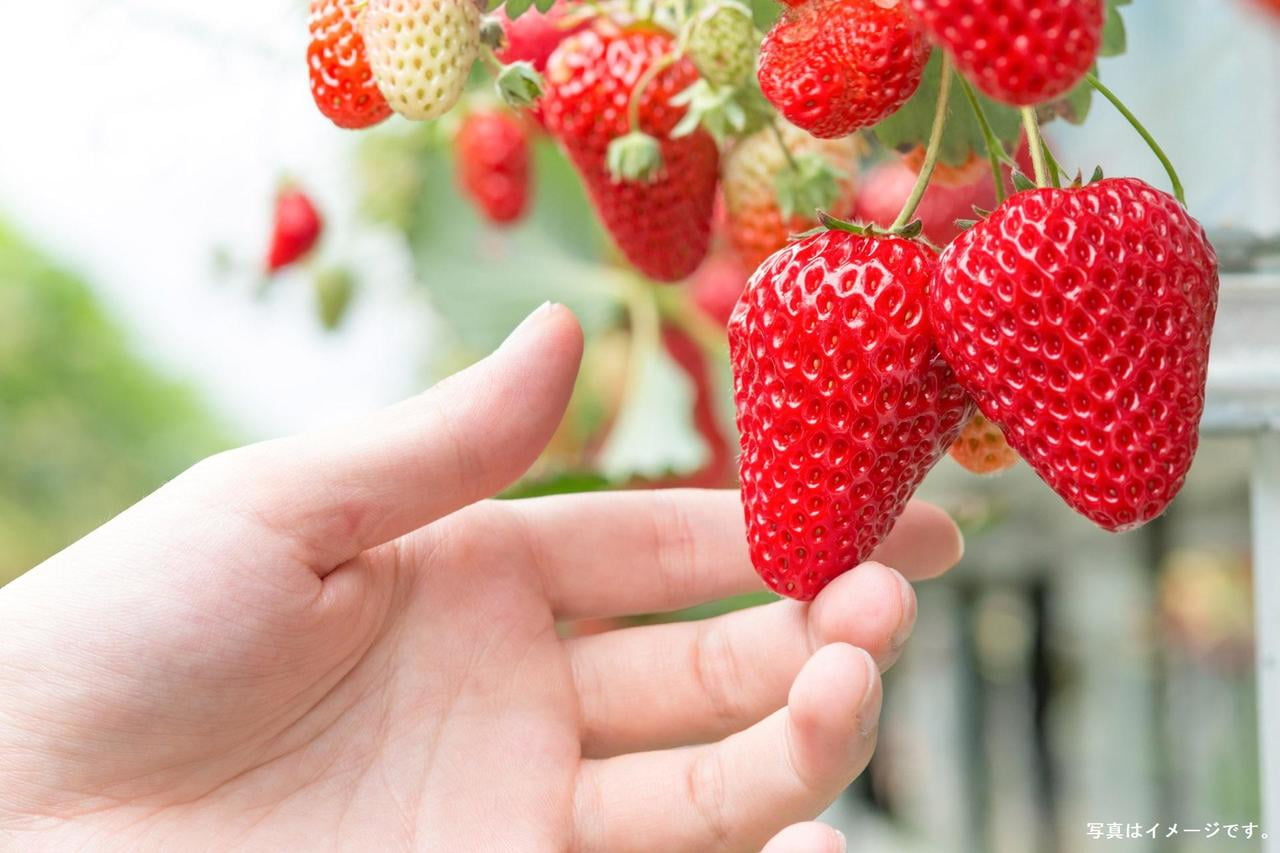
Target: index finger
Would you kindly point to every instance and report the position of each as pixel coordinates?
(620, 553)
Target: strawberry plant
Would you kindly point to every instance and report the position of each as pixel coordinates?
(830, 232)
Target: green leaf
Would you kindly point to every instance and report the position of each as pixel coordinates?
(482, 285)
(813, 185)
(909, 127)
(1114, 39)
(516, 8)
(654, 435)
(563, 483)
(544, 6)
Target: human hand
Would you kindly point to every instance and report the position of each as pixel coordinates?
(334, 641)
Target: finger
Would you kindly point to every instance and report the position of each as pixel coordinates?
(924, 543)
(721, 675)
(341, 491)
(668, 549)
(735, 794)
(810, 837)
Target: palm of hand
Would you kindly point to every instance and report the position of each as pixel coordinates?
(271, 669)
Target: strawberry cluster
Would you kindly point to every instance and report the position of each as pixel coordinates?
(1067, 326)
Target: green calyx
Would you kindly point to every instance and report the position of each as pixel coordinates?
(519, 84)
(637, 156)
(811, 183)
(722, 111)
(911, 231)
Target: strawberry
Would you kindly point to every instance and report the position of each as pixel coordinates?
(421, 52)
(534, 35)
(1020, 52)
(844, 404)
(341, 82)
(296, 228)
(722, 44)
(662, 225)
(492, 152)
(982, 448)
(834, 66)
(717, 284)
(1079, 321)
(757, 226)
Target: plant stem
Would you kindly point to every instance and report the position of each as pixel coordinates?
(995, 151)
(1142, 131)
(782, 143)
(675, 305)
(633, 107)
(1035, 144)
(931, 151)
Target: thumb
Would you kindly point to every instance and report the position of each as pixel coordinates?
(341, 491)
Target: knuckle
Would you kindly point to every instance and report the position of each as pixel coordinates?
(719, 673)
(707, 792)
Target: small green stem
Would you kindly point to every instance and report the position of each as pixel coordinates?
(1142, 131)
(931, 150)
(1036, 145)
(782, 143)
(995, 151)
(650, 73)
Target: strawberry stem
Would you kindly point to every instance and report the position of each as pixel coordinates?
(931, 150)
(995, 151)
(1142, 131)
(633, 107)
(1031, 127)
(782, 143)
(676, 306)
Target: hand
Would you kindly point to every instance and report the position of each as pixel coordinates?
(334, 641)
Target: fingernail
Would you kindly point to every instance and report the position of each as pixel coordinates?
(842, 843)
(535, 317)
(869, 708)
(908, 623)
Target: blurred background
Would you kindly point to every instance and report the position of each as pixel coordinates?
(1059, 677)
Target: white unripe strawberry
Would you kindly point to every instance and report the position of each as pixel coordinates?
(421, 52)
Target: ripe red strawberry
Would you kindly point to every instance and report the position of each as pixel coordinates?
(1079, 321)
(492, 151)
(834, 66)
(534, 35)
(843, 402)
(341, 82)
(663, 226)
(296, 228)
(982, 448)
(717, 285)
(756, 225)
(1017, 51)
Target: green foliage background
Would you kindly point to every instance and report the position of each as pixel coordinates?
(86, 428)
